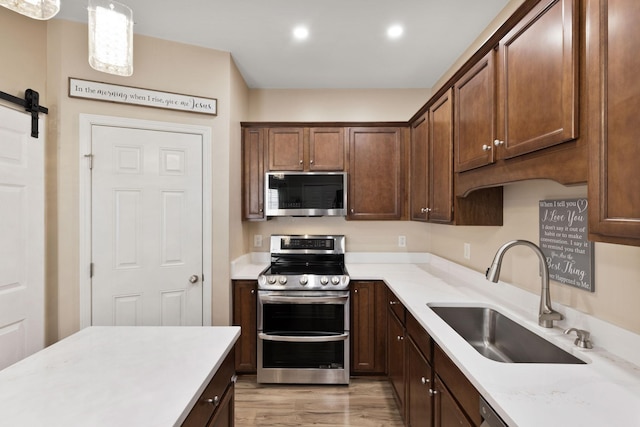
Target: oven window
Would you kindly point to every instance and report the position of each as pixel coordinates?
(303, 319)
(313, 355)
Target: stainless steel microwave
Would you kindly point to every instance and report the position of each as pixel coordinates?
(306, 194)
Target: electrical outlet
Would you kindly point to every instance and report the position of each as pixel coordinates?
(257, 240)
(467, 251)
(402, 241)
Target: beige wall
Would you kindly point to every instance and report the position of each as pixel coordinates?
(340, 105)
(159, 65)
(616, 267)
(42, 56)
(24, 55)
(239, 112)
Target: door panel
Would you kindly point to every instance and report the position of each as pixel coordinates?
(22, 242)
(146, 227)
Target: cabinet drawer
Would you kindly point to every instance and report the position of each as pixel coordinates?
(396, 306)
(212, 396)
(463, 391)
(419, 336)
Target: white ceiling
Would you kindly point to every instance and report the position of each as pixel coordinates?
(347, 45)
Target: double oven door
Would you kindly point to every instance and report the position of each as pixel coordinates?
(303, 337)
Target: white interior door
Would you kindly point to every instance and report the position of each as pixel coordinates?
(21, 237)
(146, 213)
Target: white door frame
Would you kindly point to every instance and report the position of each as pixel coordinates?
(86, 122)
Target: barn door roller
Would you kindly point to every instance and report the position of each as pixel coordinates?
(30, 103)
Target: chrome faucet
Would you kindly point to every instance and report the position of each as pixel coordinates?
(546, 315)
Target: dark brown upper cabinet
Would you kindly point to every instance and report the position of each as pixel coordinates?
(613, 94)
(376, 173)
(475, 115)
(306, 149)
(538, 80)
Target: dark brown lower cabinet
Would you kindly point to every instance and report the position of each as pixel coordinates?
(429, 388)
(368, 328)
(395, 358)
(419, 382)
(225, 414)
(215, 407)
(245, 315)
(447, 412)
(452, 383)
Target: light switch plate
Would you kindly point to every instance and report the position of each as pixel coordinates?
(257, 240)
(467, 251)
(402, 241)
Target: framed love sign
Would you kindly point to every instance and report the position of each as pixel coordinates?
(563, 240)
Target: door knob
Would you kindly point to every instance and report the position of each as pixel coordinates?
(193, 278)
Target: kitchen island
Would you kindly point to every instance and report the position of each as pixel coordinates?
(115, 376)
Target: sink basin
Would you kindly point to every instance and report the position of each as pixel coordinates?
(499, 338)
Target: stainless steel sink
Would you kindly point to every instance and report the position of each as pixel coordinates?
(499, 338)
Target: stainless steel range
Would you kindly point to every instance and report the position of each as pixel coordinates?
(303, 312)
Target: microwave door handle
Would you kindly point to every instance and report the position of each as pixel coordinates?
(290, 338)
(305, 300)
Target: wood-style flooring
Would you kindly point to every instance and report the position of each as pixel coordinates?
(364, 403)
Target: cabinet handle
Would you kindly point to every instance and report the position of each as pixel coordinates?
(253, 291)
(433, 392)
(352, 211)
(394, 302)
(234, 379)
(400, 337)
(486, 147)
(497, 142)
(423, 210)
(424, 380)
(215, 401)
(300, 161)
(355, 290)
(311, 161)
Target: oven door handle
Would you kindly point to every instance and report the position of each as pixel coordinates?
(291, 338)
(342, 299)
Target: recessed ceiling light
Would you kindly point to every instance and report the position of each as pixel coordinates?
(394, 31)
(300, 33)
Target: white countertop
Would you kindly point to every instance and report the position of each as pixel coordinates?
(114, 376)
(603, 392)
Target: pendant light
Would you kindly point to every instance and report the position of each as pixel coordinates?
(36, 9)
(110, 37)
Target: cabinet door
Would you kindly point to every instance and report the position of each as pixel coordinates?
(224, 416)
(441, 159)
(376, 173)
(213, 397)
(419, 168)
(395, 355)
(368, 327)
(538, 80)
(475, 115)
(447, 412)
(613, 104)
(245, 316)
(326, 149)
(286, 149)
(419, 382)
(457, 385)
(253, 173)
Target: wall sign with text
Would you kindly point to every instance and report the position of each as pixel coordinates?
(137, 96)
(563, 240)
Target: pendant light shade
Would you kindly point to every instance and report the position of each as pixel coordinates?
(36, 9)
(110, 37)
